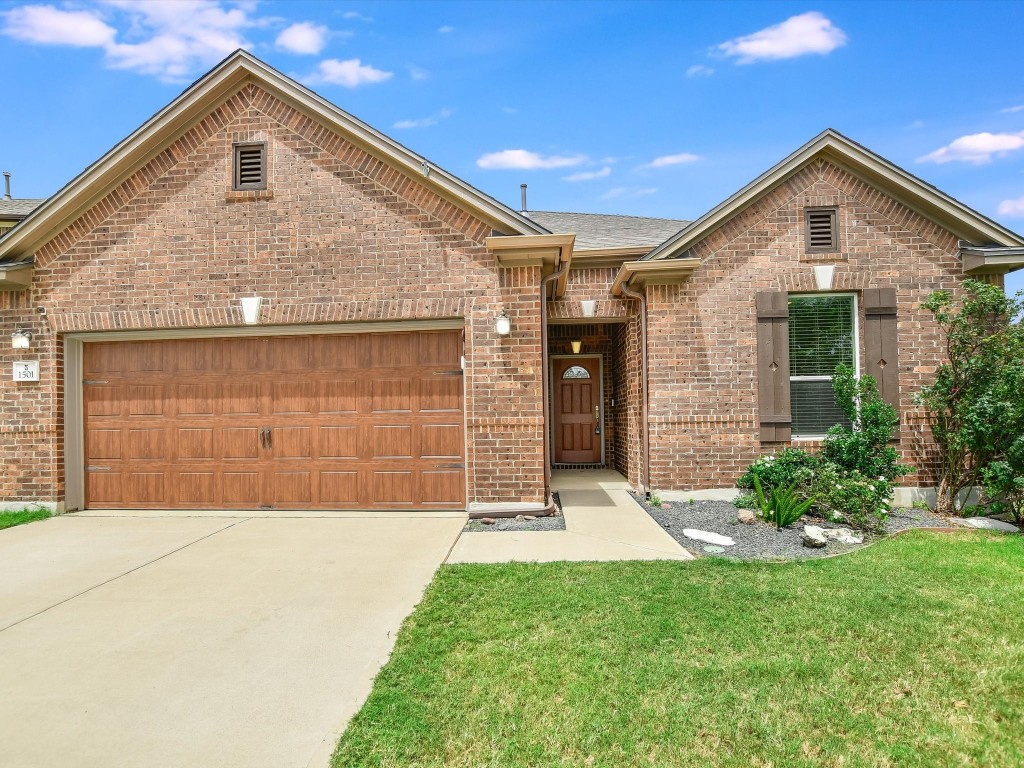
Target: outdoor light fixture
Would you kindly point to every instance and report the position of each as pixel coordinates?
(576, 346)
(21, 339)
(503, 325)
(589, 307)
(251, 309)
(823, 277)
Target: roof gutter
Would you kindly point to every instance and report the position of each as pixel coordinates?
(991, 259)
(634, 273)
(16, 277)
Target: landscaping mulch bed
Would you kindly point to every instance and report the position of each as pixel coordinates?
(761, 541)
(550, 523)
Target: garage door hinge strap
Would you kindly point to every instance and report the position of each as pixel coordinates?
(448, 373)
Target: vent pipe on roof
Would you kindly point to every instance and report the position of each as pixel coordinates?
(7, 185)
(522, 192)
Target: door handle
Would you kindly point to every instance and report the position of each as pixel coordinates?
(263, 437)
(597, 420)
(270, 438)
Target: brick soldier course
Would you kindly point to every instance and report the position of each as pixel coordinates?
(352, 229)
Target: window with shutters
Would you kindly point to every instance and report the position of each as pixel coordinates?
(822, 334)
(250, 166)
(821, 233)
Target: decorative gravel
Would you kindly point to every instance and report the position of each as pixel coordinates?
(551, 523)
(761, 541)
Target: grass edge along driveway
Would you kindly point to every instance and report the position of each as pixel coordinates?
(910, 652)
(11, 519)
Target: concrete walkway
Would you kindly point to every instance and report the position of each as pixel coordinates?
(201, 641)
(602, 522)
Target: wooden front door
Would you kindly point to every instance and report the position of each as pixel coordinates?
(348, 421)
(577, 400)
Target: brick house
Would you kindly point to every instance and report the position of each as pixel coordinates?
(257, 300)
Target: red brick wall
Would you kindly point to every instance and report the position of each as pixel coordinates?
(702, 338)
(338, 236)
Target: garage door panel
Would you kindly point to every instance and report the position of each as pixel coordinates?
(394, 487)
(240, 399)
(338, 442)
(197, 489)
(195, 443)
(345, 421)
(241, 489)
(103, 444)
(441, 487)
(292, 443)
(392, 441)
(148, 444)
(240, 443)
(340, 489)
(146, 489)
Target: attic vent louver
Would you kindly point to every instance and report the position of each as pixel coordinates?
(250, 170)
(822, 232)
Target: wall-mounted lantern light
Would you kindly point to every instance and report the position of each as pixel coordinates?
(251, 309)
(823, 276)
(589, 307)
(576, 345)
(503, 325)
(21, 339)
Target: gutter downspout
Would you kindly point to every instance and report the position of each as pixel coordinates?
(545, 373)
(645, 444)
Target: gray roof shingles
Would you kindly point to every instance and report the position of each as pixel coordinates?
(18, 208)
(600, 230)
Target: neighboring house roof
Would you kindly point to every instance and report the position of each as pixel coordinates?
(18, 208)
(918, 195)
(195, 103)
(599, 230)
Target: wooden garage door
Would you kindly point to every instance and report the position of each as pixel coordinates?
(354, 421)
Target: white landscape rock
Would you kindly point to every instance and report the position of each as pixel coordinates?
(708, 537)
(842, 535)
(814, 537)
(988, 524)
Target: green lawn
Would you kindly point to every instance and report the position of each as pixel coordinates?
(910, 652)
(11, 519)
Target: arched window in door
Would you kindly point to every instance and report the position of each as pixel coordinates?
(576, 372)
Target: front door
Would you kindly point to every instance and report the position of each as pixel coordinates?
(577, 400)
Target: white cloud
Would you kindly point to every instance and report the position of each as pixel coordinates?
(807, 33)
(350, 73)
(699, 70)
(1012, 110)
(425, 122)
(303, 37)
(1012, 208)
(522, 159)
(170, 39)
(617, 192)
(510, 110)
(977, 148)
(46, 25)
(589, 175)
(418, 73)
(446, 29)
(668, 160)
(356, 16)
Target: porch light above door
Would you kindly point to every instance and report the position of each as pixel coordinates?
(503, 325)
(576, 345)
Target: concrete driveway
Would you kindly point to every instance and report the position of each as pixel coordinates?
(200, 641)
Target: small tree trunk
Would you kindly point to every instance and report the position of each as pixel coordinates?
(945, 497)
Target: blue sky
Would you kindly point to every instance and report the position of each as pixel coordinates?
(659, 109)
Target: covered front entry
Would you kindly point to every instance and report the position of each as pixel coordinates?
(342, 421)
(578, 410)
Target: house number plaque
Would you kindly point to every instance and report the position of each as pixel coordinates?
(26, 370)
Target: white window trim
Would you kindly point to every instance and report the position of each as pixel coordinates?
(856, 351)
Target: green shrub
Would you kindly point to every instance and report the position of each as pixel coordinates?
(976, 402)
(848, 497)
(745, 501)
(779, 470)
(782, 506)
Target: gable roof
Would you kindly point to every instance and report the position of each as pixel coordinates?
(599, 230)
(193, 104)
(916, 194)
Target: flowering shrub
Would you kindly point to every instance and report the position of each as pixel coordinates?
(847, 496)
(779, 470)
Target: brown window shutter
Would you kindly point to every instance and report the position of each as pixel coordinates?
(880, 345)
(774, 412)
